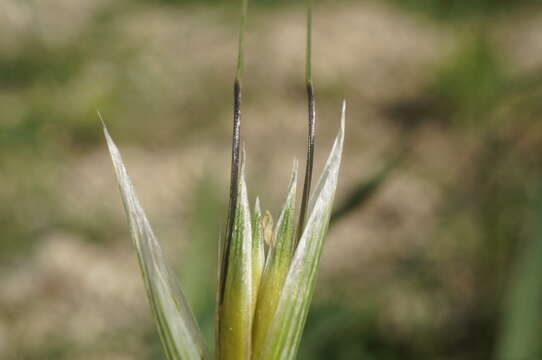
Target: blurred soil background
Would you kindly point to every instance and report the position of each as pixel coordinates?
(435, 251)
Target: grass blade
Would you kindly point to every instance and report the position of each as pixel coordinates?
(520, 337)
(289, 320)
(179, 333)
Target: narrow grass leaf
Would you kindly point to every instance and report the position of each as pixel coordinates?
(282, 340)
(179, 333)
(238, 305)
(276, 267)
(521, 325)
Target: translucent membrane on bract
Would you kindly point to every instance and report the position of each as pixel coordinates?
(179, 333)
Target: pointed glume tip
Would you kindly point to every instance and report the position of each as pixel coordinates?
(343, 116)
(101, 119)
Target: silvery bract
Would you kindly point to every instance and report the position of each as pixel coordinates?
(178, 330)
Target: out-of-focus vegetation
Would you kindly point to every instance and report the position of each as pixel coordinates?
(461, 9)
(434, 256)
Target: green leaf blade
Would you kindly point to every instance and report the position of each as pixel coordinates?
(289, 319)
(179, 333)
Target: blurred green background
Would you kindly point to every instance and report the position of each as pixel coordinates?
(435, 250)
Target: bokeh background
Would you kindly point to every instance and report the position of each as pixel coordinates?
(435, 250)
